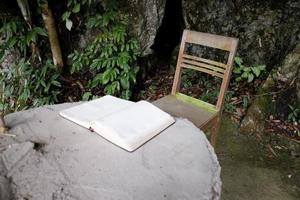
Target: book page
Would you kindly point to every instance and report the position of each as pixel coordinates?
(85, 113)
(132, 126)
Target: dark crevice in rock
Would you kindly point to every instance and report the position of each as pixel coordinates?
(169, 33)
(39, 147)
(167, 37)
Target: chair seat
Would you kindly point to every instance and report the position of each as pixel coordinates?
(177, 107)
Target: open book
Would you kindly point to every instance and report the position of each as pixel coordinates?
(124, 123)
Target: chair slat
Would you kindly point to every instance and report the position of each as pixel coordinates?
(207, 66)
(210, 40)
(205, 60)
(201, 69)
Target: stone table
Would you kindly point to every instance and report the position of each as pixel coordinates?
(52, 158)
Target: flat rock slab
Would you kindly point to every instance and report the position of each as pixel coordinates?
(53, 158)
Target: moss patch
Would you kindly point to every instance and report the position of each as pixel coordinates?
(196, 102)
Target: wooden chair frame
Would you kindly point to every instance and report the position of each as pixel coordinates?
(211, 67)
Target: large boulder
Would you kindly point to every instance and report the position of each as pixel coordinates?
(51, 158)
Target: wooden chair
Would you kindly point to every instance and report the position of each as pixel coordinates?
(204, 115)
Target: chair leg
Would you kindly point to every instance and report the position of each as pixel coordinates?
(214, 131)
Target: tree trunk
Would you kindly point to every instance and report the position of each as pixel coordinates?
(25, 10)
(3, 127)
(52, 34)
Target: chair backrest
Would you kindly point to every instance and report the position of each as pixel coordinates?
(215, 68)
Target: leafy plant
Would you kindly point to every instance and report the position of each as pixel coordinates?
(245, 101)
(110, 57)
(213, 95)
(73, 7)
(210, 96)
(294, 115)
(25, 84)
(228, 106)
(186, 78)
(247, 73)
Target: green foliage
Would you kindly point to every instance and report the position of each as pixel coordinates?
(213, 95)
(247, 73)
(110, 57)
(24, 84)
(228, 106)
(294, 115)
(245, 102)
(187, 76)
(13, 36)
(210, 96)
(74, 7)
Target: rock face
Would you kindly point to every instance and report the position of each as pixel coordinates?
(284, 82)
(267, 29)
(289, 71)
(145, 19)
(10, 57)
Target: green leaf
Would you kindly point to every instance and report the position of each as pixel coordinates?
(106, 77)
(250, 78)
(125, 83)
(261, 67)
(43, 83)
(76, 8)
(40, 31)
(86, 96)
(69, 24)
(91, 22)
(256, 71)
(237, 70)
(247, 69)
(66, 15)
(11, 42)
(132, 77)
(245, 75)
(238, 60)
(56, 83)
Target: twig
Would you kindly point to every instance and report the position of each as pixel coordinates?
(272, 150)
(9, 135)
(297, 141)
(80, 86)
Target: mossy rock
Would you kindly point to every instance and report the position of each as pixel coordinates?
(261, 108)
